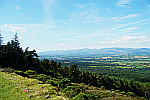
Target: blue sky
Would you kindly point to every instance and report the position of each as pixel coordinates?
(46, 25)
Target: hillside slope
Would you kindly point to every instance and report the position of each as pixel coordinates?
(13, 88)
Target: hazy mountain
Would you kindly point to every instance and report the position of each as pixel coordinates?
(86, 51)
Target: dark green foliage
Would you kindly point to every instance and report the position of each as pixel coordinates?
(50, 82)
(72, 91)
(30, 72)
(87, 96)
(80, 96)
(64, 82)
(68, 88)
(42, 77)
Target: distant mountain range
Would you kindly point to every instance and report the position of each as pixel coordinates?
(87, 51)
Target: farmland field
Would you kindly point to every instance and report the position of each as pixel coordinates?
(135, 67)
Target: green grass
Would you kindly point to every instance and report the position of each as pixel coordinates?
(12, 88)
(112, 67)
(121, 67)
(87, 61)
(141, 67)
(94, 66)
(8, 90)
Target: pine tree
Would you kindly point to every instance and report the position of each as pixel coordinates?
(1, 48)
(1, 41)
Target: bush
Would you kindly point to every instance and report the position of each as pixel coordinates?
(103, 87)
(51, 91)
(122, 92)
(80, 96)
(50, 82)
(42, 77)
(71, 91)
(112, 89)
(68, 88)
(117, 91)
(30, 72)
(63, 82)
(21, 73)
(83, 83)
(72, 94)
(2, 70)
(33, 76)
(130, 94)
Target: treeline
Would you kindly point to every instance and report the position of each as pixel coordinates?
(137, 74)
(12, 55)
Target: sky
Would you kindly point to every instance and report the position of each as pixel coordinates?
(46, 25)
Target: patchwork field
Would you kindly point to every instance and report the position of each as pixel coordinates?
(135, 66)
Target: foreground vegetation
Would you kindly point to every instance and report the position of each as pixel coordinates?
(13, 87)
(51, 74)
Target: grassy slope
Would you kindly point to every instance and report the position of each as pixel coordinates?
(12, 88)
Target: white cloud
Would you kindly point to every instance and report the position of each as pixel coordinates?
(48, 7)
(80, 6)
(17, 7)
(127, 40)
(67, 45)
(114, 17)
(141, 37)
(109, 42)
(132, 23)
(148, 7)
(27, 30)
(130, 29)
(87, 16)
(128, 16)
(98, 17)
(61, 44)
(124, 3)
(47, 4)
(12, 28)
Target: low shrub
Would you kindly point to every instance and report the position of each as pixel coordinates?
(80, 96)
(112, 89)
(130, 94)
(122, 92)
(21, 73)
(83, 83)
(68, 88)
(50, 82)
(71, 91)
(33, 76)
(117, 91)
(42, 77)
(29, 72)
(2, 70)
(103, 87)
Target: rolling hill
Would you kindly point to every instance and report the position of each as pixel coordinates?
(86, 51)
